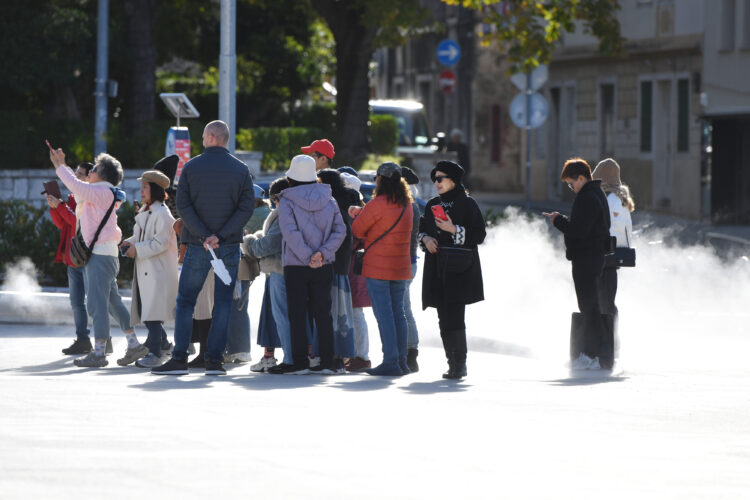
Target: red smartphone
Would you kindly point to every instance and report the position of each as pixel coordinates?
(438, 212)
(49, 145)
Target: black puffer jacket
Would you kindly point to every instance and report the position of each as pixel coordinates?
(345, 199)
(439, 287)
(587, 230)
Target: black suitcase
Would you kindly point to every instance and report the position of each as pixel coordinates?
(606, 350)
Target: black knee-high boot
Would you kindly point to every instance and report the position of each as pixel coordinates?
(457, 361)
(200, 329)
(448, 346)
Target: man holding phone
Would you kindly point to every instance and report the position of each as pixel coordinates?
(586, 242)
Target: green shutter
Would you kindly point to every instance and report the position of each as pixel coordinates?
(683, 115)
(646, 113)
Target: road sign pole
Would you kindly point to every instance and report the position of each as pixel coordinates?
(528, 141)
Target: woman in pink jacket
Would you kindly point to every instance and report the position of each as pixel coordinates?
(94, 201)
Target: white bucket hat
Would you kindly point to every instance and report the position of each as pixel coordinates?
(351, 181)
(302, 169)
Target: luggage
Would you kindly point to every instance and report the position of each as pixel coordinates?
(607, 348)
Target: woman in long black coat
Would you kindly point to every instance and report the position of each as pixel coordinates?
(452, 276)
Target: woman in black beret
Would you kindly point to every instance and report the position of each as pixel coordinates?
(449, 232)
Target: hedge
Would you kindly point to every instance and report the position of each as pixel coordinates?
(26, 231)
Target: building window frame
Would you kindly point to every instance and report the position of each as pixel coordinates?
(601, 82)
(646, 103)
(683, 114)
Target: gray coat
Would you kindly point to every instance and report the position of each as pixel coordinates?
(266, 245)
(214, 196)
(310, 222)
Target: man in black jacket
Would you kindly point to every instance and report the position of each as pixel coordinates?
(215, 199)
(586, 242)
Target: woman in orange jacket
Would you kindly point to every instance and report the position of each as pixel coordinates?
(385, 224)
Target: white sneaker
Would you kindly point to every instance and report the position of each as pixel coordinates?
(314, 361)
(237, 357)
(582, 362)
(263, 365)
(150, 361)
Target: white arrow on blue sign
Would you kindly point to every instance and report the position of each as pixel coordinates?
(448, 52)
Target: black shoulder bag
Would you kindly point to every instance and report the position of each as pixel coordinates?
(359, 255)
(79, 252)
(622, 256)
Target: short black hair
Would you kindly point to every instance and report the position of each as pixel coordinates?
(86, 165)
(575, 167)
(277, 186)
(293, 183)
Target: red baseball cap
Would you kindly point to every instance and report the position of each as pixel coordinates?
(322, 146)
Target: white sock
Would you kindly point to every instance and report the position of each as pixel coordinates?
(132, 340)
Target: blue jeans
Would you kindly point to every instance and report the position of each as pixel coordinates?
(102, 295)
(194, 271)
(413, 336)
(281, 315)
(77, 294)
(387, 297)
(238, 336)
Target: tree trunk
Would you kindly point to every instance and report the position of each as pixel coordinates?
(141, 17)
(354, 48)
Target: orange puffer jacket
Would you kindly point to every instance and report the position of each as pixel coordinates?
(388, 259)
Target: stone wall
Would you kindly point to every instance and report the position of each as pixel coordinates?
(26, 185)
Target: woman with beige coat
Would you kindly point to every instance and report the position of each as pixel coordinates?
(154, 248)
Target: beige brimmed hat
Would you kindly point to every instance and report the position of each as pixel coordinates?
(156, 177)
(608, 171)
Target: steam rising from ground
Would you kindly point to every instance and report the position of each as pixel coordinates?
(677, 305)
(21, 277)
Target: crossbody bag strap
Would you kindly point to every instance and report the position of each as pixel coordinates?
(101, 224)
(389, 230)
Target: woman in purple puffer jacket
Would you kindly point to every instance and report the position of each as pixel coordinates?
(312, 230)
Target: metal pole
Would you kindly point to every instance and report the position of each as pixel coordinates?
(528, 141)
(228, 68)
(102, 51)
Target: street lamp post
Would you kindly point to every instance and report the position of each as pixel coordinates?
(102, 52)
(228, 68)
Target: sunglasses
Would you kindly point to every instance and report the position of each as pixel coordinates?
(440, 178)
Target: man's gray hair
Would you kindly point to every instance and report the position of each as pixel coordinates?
(109, 169)
(219, 130)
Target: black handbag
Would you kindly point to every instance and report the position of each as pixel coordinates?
(454, 260)
(80, 253)
(622, 256)
(359, 255)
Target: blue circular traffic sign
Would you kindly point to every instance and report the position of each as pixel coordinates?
(448, 52)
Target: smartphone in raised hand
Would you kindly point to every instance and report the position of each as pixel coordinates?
(438, 212)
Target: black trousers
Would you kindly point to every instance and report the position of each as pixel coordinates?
(453, 328)
(587, 274)
(608, 291)
(309, 289)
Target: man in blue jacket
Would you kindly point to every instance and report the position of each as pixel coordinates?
(214, 199)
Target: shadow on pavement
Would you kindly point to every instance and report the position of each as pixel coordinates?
(366, 383)
(589, 378)
(57, 367)
(436, 387)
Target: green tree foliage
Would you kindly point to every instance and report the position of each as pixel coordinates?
(358, 27)
(528, 30)
(383, 134)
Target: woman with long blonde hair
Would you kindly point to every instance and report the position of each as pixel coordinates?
(620, 205)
